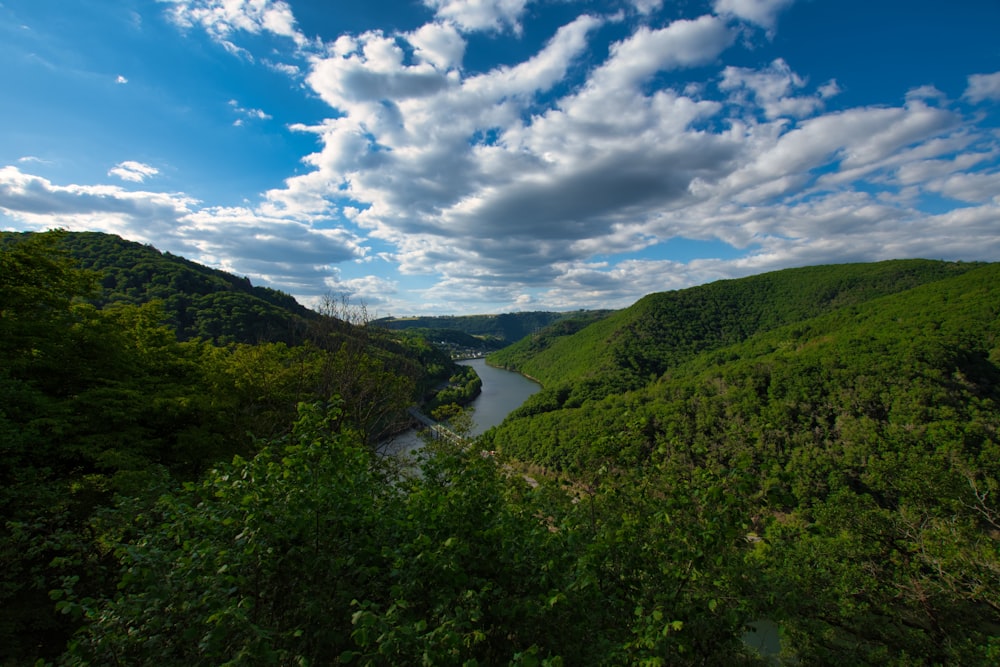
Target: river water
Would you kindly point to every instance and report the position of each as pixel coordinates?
(503, 392)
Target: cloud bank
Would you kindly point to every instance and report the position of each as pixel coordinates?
(549, 182)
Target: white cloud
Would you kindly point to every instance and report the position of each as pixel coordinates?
(285, 68)
(221, 18)
(540, 72)
(683, 43)
(372, 291)
(922, 171)
(419, 124)
(247, 114)
(829, 89)
(760, 12)
(372, 71)
(121, 79)
(236, 50)
(977, 188)
(475, 15)
(645, 7)
(508, 203)
(523, 185)
(983, 87)
(135, 172)
(38, 202)
(848, 144)
(281, 252)
(773, 89)
(926, 93)
(439, 44)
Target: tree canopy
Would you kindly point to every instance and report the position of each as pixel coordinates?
(815, 451)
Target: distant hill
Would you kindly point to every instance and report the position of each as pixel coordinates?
(636, 345)
(729, 324)
(812, 453)
(852, 414)
(458, 343)
(199, 302)
(495, 330)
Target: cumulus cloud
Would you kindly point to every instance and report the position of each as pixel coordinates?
(983, 87)
(506, 202)
(845, 146)
(281, 252)
(549, 181)
(406, 144)
(476, 15)
(977, 188)
(374, 292)
(774, 90)
(121, 79)
(439, 44)
(135, 172)
(760, 12)
(38, 202)
(683, 43)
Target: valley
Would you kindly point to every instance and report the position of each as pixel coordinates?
(191, 474)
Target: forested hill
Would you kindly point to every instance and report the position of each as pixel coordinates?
(501, 330)
(815, 451)
(849, 415)
(100, 399)
(636, 345)
(198, 301)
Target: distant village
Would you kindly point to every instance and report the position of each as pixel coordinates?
(460, 352)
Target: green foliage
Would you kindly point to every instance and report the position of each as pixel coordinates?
(96, 403)
(248, 566)
(198, 302)
(867, 441)
(462, 388)
(458, 343)
(635, 346)
(505, 328)
(314, 553)
(37, 285)
(815, 448)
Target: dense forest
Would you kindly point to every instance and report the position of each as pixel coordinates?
(102, 397)
(812, 452)
(197, 301)
(494, 331)
(852, 413)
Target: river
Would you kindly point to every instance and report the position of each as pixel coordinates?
(503, 392)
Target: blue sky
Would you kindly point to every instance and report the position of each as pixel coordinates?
(477, 156)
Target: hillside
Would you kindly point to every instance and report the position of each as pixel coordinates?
(101, 399)
(496, 331)
(633, 346)
(814, 451)
(198, 301)
(878, 339)
(861, 430)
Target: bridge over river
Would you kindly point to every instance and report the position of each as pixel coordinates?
(437, 430)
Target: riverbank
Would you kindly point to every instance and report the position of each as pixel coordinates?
(510, 370)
